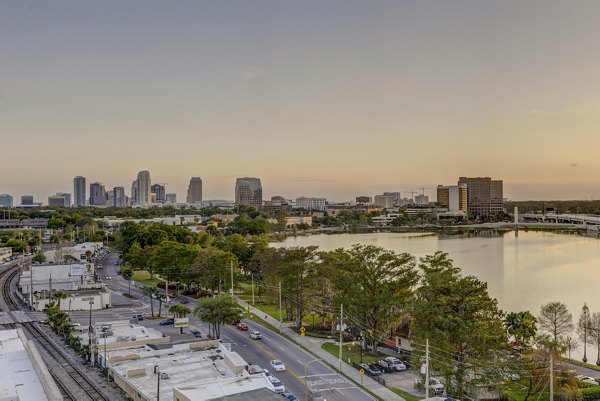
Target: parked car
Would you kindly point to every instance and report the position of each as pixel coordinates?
(197, 333)
(167, 322)
(369, 370)
(290, 396)
(138, 316)
(255, 335)
(384, 366)
(277, 365)
(395, 364)
(242, 326)
(267, 373)
(278, 386)
(434, 384)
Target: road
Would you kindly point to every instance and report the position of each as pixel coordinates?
(259, 352)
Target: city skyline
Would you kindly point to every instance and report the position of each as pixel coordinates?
(317, 99)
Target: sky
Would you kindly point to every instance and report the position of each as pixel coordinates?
(334, 98)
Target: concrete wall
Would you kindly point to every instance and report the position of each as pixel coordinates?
(50, 388)
(77, 303)
(131, 391)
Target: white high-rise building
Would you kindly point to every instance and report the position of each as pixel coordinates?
(172, 198)
(6, 201)
(194, 193)
(142, 189)
(79, 189)
(384, 201)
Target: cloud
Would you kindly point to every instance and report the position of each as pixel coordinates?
(253, 72)
(573, 165)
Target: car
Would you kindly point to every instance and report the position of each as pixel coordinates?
(278, 386)
(369, 370)
(384, 366)
(395, 364)
(434, 384)
(242, 326)
(99, 267)
(277, 365)
(267, 373)
(138, 316)
(197, 333)
(255, 335)
(107, 277)
(167, 322)
(289, 396)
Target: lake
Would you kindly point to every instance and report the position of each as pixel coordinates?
(523, 272)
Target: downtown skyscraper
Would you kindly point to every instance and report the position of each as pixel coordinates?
(194, 193)
(140, 189)
(79, 189)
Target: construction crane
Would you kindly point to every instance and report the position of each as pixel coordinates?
(423, 190)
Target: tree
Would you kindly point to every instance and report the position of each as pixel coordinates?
(556, 319)
(128, 275)
(595, 332)
(39, 258)
(59, 295)
(583, 328)
(459, 318)
(375, 287)
(180, 311)
(150, 291)
(522, 326)
(217, 312)
(211, 267)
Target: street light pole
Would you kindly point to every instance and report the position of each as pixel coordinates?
(90, 331)
(157, 371)
(105, 361)
(306, 379)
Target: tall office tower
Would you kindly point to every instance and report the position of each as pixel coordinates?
(79, 191)
(484, 196)
(384, 201)
(453, 197)
(119, 199)
(142, 190)
(97, 194)
(26, 200)
(421, 200)
(248, 191)
(172, 198)
(159, 191)
(6, 201)
(134, 188)
(396, 198)
(194, 193)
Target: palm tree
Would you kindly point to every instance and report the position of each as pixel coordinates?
(128, 275)
(59, 295)
(180, 311)
(150, 291)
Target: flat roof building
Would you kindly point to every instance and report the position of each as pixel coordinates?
(25, 376)
(248, 192)
(196, 371)
(484, 196)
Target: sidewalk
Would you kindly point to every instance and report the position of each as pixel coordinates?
(314, 345)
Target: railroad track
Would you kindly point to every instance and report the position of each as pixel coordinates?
(8, 275)
(79, 378)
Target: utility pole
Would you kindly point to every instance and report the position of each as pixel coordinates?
(341, 335)
(551, 377)
(252, 275)
(231, 266)
(31, 285)
(280, 317)
(50, 288)
(427, 369)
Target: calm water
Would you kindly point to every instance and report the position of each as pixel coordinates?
(523, 272)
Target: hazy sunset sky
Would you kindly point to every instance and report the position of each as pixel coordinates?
(317, 98)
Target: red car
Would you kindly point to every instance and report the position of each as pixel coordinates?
(242, 326)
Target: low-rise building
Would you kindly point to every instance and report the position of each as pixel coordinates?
(310, 204)
(290, 222)
(195, 371)
(25, 376)
(384, 201)
(384, 220)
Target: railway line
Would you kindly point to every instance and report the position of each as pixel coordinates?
(67, 387)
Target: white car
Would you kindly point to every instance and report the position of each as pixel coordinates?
(434, 384)
(395, 364)
(277, 385)
(255, 335)
(277, 365)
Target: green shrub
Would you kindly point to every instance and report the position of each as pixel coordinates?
(591, 393)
